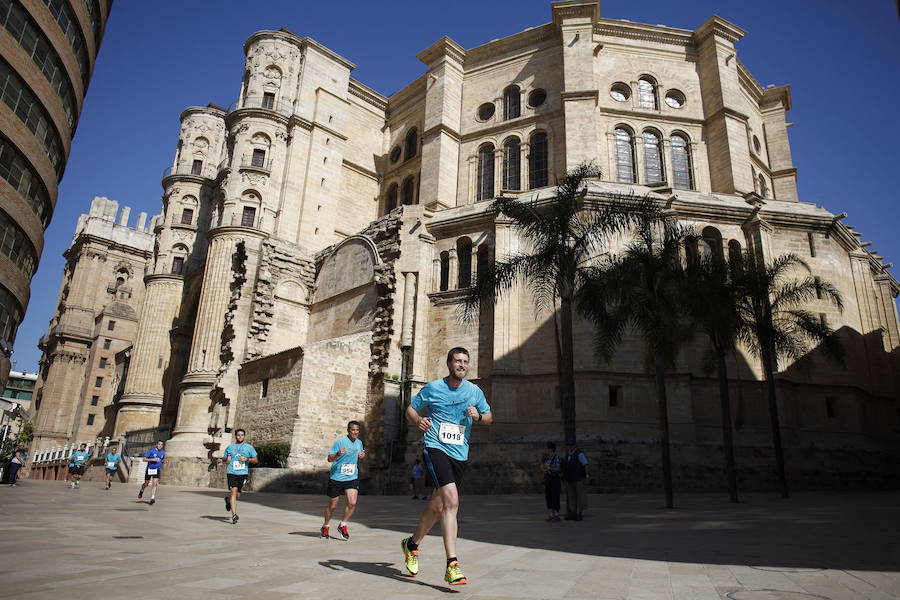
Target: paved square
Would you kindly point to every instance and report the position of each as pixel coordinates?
(93, 544)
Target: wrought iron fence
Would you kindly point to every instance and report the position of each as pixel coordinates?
(137, 442)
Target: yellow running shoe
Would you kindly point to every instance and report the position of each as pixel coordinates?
(454, 574)
(411, 558)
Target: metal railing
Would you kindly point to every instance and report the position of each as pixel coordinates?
(247, 162)
(282, 108)
(186, 169)
(137, 442)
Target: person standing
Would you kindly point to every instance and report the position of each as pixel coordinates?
(344, 457)
(16, 462)
(238, 456)
(418, 480)
(155, 458)
(452, 405)
(112, 466)
(550, 465)
(76, 464)
(577, 476)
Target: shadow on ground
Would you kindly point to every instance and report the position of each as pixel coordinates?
(815, 530)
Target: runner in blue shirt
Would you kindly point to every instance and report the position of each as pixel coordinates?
(155, 459)
(344, 458)
(452, 404)
(112, 465)
(76, 465)
(238, 456)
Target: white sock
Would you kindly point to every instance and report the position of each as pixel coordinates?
(342, 524)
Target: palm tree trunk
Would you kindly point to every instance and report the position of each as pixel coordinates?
(664, 431)
(567, 372)
(768, 367)
(727, 440)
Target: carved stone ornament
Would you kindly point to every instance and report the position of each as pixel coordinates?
(254, 178)
(282, 135)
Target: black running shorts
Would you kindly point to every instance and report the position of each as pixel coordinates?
(148, 476)
(443, 468)
(336, 488)
(76, 470)
(110, 471)
(236, 481)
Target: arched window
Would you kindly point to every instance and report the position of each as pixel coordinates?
(653, 161)
(390, 202)
(486, 172)
(119, 282)
(712, 243)
(482, 260)
(734, 251)
(647, 93)
(464, 256)
(412, 144)
(624, 156)
(763, 188)
(512, 179)
(409, 191)
(682, 178)
(537, 161)
(445, 271)
(248, 216)
(511, 102)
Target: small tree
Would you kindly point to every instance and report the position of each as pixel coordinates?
(774, 323)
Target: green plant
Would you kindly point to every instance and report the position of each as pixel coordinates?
(273, 455)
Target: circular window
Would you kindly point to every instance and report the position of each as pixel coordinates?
(620, 92)
(756, 145)
(486, 111)
(674, 98)
(536, 98)
(395, 154)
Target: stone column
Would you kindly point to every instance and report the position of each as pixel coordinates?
(436, 274)
(142, 400)
(407, 329)
(453, 271)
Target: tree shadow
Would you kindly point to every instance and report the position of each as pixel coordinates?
(381, 569)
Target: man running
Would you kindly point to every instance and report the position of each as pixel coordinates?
(238, 456)
(155, 458)
(76, 464)
(112, 465)
(344, 457)
(453, 404)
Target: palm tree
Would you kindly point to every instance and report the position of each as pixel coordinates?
(565, 233)
(712, 304)
(642, 289)
(774, 323)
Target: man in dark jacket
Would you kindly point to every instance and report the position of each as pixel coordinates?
(576, 475)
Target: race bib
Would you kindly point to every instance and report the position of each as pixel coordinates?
(237, 465)
(110, 465)
(152, 471)
(451, 433)
(348, 469)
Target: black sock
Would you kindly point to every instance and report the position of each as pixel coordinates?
(411, 545)
(451, 559)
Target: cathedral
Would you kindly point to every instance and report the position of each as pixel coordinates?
(316, 239)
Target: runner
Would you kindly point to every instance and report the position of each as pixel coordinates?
(344, 458)
(453, 404)
(76, 465)
(238, 456)
(155, 459)
(112, 465)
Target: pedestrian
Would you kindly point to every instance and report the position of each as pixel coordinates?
(453, 405)
(76, 465)
(16, 462)
(418, 480)
(112, 466)
(238, 456)
(344, 457)
(576, 473)
(550, 465)
(155, 459)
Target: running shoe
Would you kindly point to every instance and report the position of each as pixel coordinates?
(140, 494)
(454, 574)
(152, 501)
(234, 519)
(324, 531)
(228, 503)
(343, 531)
(411, 558)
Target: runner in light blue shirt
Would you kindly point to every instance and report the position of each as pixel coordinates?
(76, 465)
(112, 465)
(344, 457)
(238, 456)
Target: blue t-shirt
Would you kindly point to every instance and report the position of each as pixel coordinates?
(78, 458)
(345, 467)
(112, 461)
(447, 408)
(418, 472)
(151, 454)
(232, 452)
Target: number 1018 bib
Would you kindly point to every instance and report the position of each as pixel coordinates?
(451, 433)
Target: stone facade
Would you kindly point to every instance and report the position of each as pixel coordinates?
(317, 238)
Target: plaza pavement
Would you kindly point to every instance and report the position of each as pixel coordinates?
(93, 544)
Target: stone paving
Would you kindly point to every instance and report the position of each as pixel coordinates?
(90, 543)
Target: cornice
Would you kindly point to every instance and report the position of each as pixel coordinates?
(574, 9)
(512, 125)
(367, 94)
(644, 33)
(237, 230)
(414, 92)
(580, 95)
(310, 125)
(213, 111)
(442, 128)
(746, 79)
(263, 113)
(443, 48)
(360, 169)
(528, 42)
(778, 95)
(446, 297)
(718, 27)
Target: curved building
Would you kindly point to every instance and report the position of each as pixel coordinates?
(47, 54)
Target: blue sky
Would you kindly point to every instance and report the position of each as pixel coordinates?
(841, 59)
